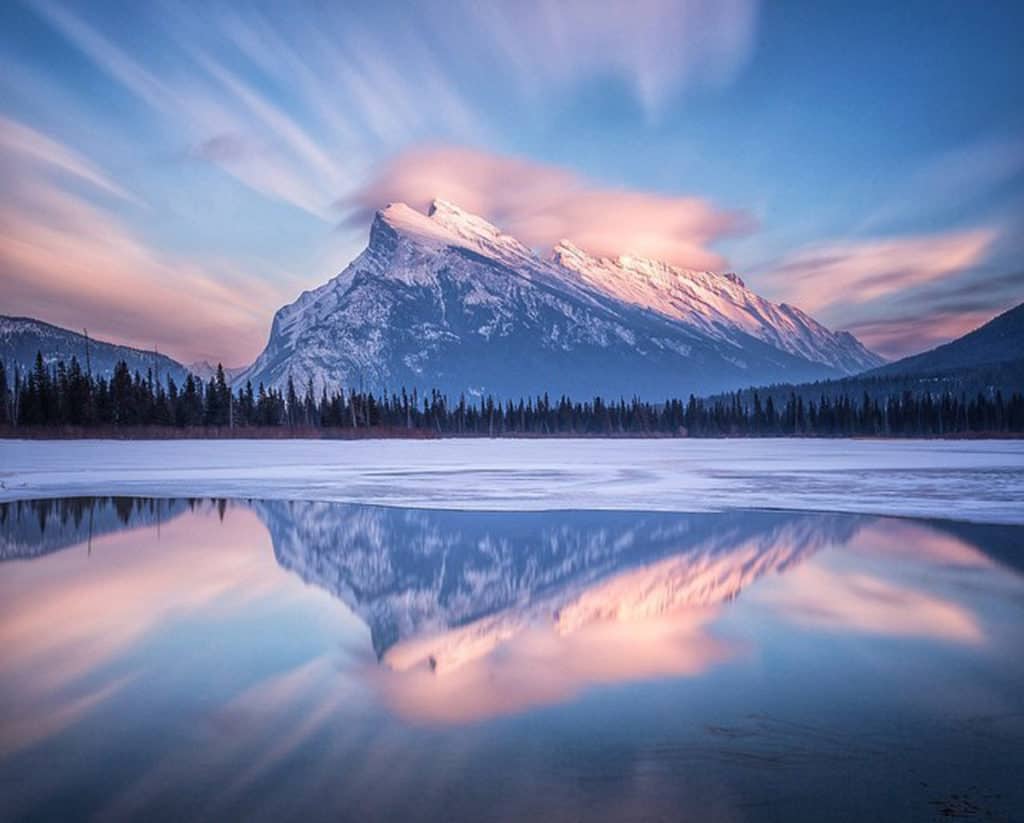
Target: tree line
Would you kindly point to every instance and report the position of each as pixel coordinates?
(63, 396)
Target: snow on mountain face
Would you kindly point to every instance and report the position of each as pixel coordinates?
(205, 370)
(448, 301)
(22, 337)
(720, 305)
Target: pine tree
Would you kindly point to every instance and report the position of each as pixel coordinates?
(5, 397)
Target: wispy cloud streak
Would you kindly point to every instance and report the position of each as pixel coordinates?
(269, 116)
(821, 276)
(70, 260)
(20, 144)
(319, 91)
(658, 47)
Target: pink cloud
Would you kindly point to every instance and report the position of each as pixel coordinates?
(67, 626)
(360, 86)
(817, 596)
(540, 667)
(907, 542)
(542, 204)
(854, 283)
(896, 337)
(821, 277)
(78, 267)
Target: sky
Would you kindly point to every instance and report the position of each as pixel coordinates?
(173, 173)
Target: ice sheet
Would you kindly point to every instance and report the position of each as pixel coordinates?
(969, 480)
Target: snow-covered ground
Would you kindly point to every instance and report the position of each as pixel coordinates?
(980, 480)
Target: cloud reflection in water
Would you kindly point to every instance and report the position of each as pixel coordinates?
(273, 630)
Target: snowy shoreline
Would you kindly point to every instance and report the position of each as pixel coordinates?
(982, 481)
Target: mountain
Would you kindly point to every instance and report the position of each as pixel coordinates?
(719, 305)
(999, 341)
(986, 360)
(22, 337)
(205, 370)
(448, 301)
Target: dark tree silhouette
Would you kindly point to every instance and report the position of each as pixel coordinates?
(62, 395)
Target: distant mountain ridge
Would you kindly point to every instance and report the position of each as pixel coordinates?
(987, 359)
(205, 371)
(22, 337)
(448, 301)
(1000, 340)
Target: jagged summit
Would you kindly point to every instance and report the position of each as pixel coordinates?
(718, 304)
(407, 220)
(448, 300)
(449, 224)
(568, 254)
(461, 222)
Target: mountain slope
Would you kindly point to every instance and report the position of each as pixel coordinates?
(986, 360)
(448, 301)
(22, 337)
(1001, 340)
(720, 305)
(205, 370)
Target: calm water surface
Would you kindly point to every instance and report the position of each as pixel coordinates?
(262, 660)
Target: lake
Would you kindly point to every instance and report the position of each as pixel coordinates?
(212, 659)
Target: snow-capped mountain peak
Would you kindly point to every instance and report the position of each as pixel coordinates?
(447, 300)
(478, 233)
(412, 223)
(461, 222)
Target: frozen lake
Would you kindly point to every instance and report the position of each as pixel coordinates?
(967, 480)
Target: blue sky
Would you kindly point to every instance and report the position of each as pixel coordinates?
(172, 173)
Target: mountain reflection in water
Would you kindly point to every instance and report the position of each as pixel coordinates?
(248, 621)
(445, 587)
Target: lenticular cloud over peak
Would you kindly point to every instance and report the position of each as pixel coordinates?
(543, 205)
